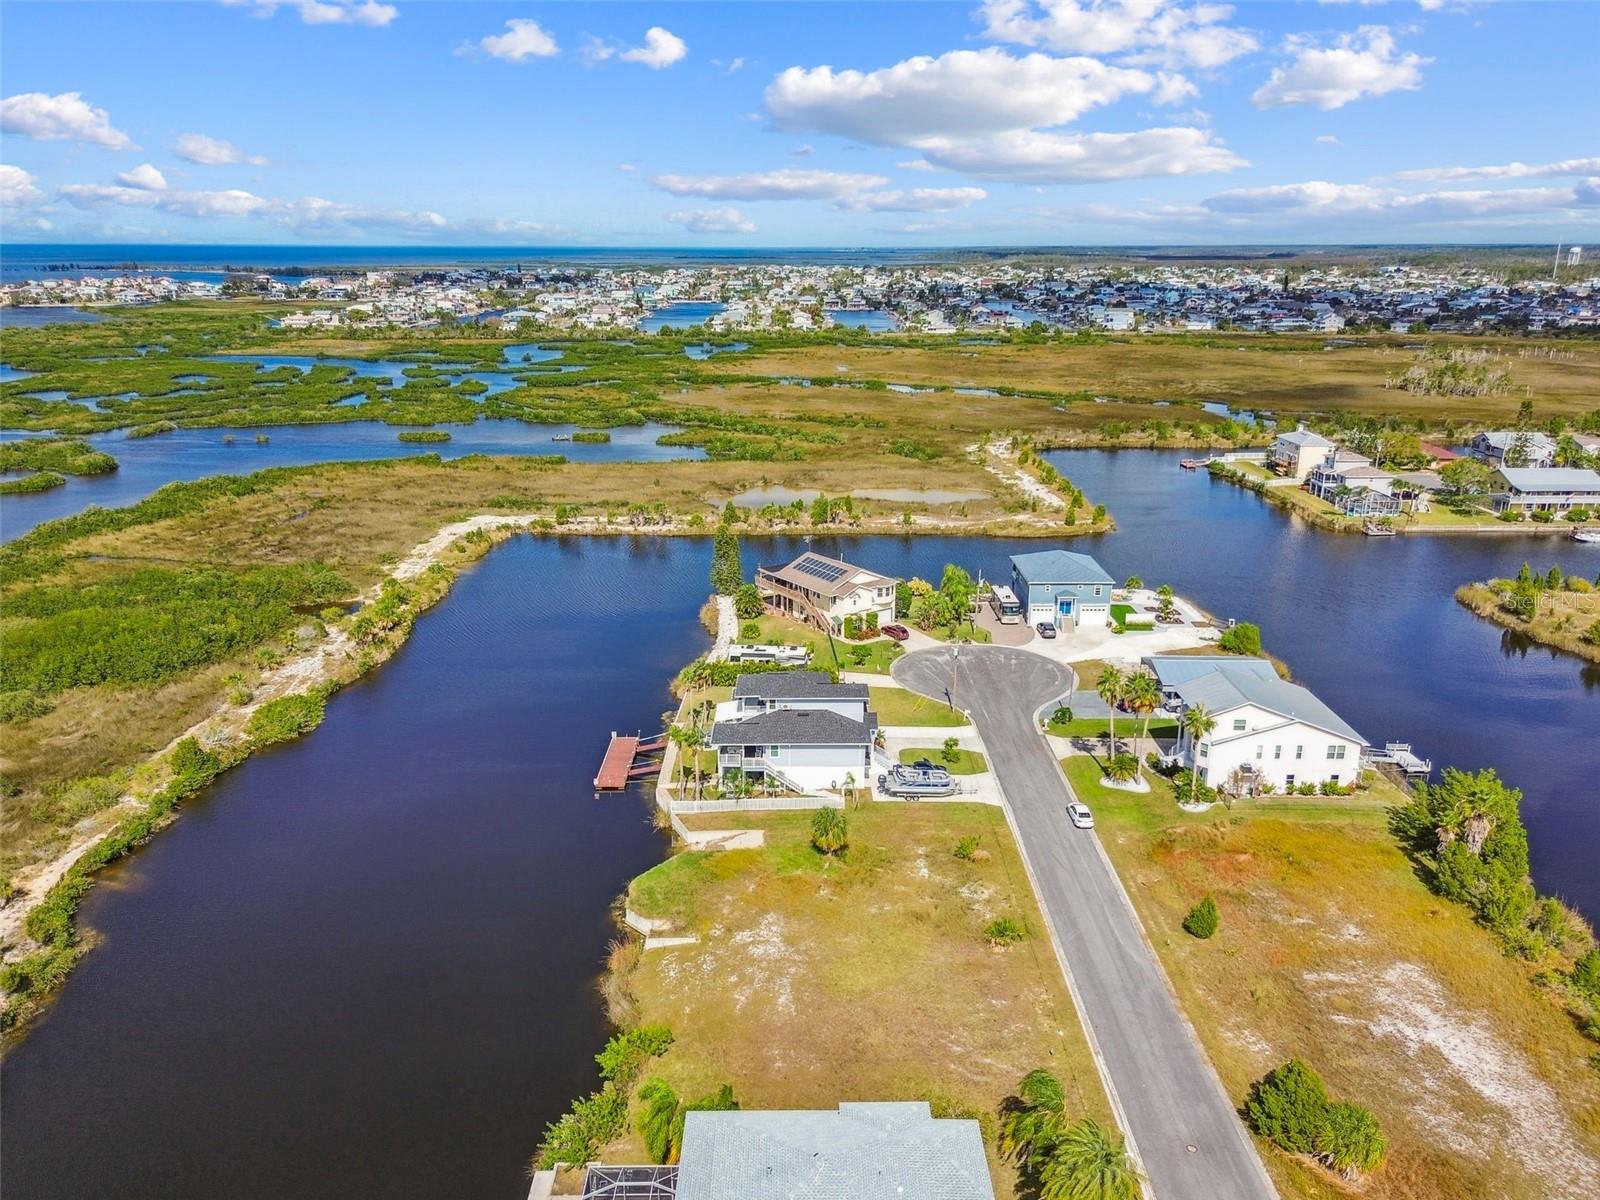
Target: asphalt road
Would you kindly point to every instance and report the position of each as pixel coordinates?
(1183, 1127)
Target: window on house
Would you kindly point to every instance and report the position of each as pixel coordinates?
(1333, 778)
(1277, 752)
(1288, 782)
(1097, 589)
(1336, 751)
(1238, 724)
(1258, 751)
(1204, 750)
(1299, 751)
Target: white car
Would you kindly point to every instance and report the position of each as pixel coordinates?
(1080, 815)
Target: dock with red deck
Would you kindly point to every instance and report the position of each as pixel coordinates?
(627, 759)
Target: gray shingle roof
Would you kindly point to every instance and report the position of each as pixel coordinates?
(795, 685)
(1227, 686)
(1059, 566)
(893, 1151)
(795, 727)
(1304, 437)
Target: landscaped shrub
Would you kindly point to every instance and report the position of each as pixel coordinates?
(951, 750)
(1203, 919)
(747, 602)
(1243, 638)
(966, 847)
(1004, 931)
(625, 1054)
(1123, 767)
(658, 1110)
(750, 630)
(1288, 1107)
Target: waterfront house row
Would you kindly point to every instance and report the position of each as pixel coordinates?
(1270, 735)
(798, 729)
(824, 591)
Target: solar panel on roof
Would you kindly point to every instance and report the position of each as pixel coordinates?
(821, 569)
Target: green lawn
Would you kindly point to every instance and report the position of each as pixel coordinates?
(896, 706)
(966, 762)
(969, 632)
(1121, 612)
(1127, 726)
(876, 656)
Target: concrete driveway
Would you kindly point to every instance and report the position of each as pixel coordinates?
(1180, 1122)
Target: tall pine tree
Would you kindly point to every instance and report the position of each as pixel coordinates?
(727, 572)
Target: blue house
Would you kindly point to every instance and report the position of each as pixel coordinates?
(1063, 589)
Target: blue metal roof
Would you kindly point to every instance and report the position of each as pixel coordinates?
(1059, 566)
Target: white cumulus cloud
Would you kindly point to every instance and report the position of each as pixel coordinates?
(713, 220)
(144, 176)
(523, 39)
(326, 12)
(63, 117)
(1155, 31)
(1357, 65)
(913, 200)
(1041, 156)
(212, 152)
(788, 183)
(18, 188)
(1514, 170)
(970, 92)
(661, 49)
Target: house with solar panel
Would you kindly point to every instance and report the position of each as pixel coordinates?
(823, 591)
(1271, 735)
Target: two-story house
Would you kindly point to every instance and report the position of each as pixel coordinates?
(1525, 448)
(823, 591)
(1270, 734)
(1550, 489)
(1060, 588)
(798, 728)
(1297, 453)
(1351, 483)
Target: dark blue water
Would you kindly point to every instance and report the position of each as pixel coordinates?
(364, 964)
(681, 315)
(145, 464)
(874, 319)
(1371, 625)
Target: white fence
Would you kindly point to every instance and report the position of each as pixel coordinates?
(756, 804)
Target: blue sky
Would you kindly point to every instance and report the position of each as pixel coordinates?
(821, 124)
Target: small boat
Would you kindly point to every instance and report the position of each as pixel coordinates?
(1592, 536)
(1375, 529)
(561, 437)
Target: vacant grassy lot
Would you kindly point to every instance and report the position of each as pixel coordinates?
(1331, 949)
(1563, 619)
(1280, 374)
(897, 706)
(867, 978)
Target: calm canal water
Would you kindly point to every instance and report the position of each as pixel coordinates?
(372, 951)
(145, 464)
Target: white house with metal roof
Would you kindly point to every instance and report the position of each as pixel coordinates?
(1495, 446)
(824, 591)
(1553, 489)
(861, 1151)
(1273, 733)
(797, 728)
(1297, 452)
(1058, 587)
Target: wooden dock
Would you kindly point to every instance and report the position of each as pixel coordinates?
(627, 759)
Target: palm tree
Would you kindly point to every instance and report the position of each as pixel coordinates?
(1031, 1121)
(1143, 694)
(1089, 1162)
(688, 739)
(1197, 723)
(830, 831)
(1111, 685)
